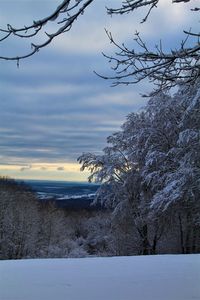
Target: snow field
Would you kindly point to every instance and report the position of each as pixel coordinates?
(162, 277)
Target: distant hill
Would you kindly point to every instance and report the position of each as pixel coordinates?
(69, 195)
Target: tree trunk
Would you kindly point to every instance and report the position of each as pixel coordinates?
(181, 235)
(145, 242)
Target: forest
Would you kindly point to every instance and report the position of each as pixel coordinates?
(150, 179)
(149, 172)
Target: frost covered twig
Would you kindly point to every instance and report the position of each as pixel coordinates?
(71, 9)
(165, 70)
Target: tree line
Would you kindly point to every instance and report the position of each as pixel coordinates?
(30, 228)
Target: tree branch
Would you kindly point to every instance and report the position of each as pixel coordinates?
(26, 32)
(164, 69)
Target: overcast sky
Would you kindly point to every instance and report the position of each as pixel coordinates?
(53, 107)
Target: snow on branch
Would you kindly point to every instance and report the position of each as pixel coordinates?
(131, 5)
(70, 9)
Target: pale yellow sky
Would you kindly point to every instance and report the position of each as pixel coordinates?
(45, 171)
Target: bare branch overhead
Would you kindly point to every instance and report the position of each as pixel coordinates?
(165, 70)
(69, 9)
(131, 5)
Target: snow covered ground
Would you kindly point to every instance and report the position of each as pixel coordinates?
(163, 277)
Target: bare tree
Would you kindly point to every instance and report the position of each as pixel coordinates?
(69, 9)
(165, 70)
(131, 5)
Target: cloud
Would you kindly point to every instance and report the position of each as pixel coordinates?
(49, 171)
(53, 107)
(59, 121)
(25, 168)
(61, 169)
(43, 168)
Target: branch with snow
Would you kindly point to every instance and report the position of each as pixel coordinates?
(70, 9)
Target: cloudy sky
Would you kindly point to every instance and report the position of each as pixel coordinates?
(53, 107)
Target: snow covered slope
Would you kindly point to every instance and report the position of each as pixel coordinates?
(163, 277)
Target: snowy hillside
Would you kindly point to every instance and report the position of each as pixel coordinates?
(163, 277)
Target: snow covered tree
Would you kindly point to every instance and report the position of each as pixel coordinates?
(51, 235)
(18, 220)
(150, 171)
(181, 186)
(119, 171)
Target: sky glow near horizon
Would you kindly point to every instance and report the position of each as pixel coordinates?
(53, 107)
